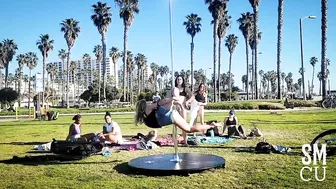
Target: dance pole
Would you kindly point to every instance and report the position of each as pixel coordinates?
(176, 158)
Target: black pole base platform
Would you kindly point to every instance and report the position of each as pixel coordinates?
(165, 164)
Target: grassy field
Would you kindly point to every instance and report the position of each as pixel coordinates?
(244, 168)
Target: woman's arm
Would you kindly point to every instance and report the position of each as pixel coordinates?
(70, 131)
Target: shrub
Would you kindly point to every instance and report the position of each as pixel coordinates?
(302, 103)
(243, 105)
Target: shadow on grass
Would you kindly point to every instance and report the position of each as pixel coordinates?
(24, 143)
(258, 121)
(49, 160)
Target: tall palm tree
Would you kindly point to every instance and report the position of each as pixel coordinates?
(126, 12)
(71, 29)
(223, 24)
(231, 43)
(62, 54)
(98, 50)
(252, 47)
(216, 8)
(73, 70)
(313, 61)
(31, 64)
(87, 60)
(261, 74)
(255, 6)
(52, 71)
(324, 25)
(130, 69)
(245, 26)
(115, 55)
(283, 76)
(139, 59)
(155, 68)
(102, 19)
(21, 59)
(319, 76)
(193, 26)
(7, 51)
(45, 45)
(280, 20)
(244, 82)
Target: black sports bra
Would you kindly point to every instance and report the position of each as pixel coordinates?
(183, 93)
(150, 119)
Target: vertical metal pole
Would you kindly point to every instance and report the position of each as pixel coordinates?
(176, 158)
(302, 68)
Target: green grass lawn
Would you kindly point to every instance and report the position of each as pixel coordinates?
(244, 168)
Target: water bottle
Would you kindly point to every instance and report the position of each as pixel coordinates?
(212, 134)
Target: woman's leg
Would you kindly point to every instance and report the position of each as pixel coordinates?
(112, 138)
(184, 126)
(184, 134)
(88, 136)
(201, 115)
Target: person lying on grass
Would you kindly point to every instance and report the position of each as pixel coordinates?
(157, 115)
(75, 131)
(111, 130)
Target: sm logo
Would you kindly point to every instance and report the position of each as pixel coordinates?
(318, 156)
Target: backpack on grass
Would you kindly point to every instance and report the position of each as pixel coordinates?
(75, 149)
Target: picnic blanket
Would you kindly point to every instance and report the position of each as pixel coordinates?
(210, 140)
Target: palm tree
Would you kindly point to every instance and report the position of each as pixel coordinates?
(52, 71)
(319, 76)
(223, 24)
(231, 43)
(31, 64)
(299, 82)
(126, 12)
(139, 59)
(193, 26)
(324, 25)
(62, 54)
(261, 74)
(115, 55)
(102, 19)
(73, 70)
(245, 26)
(217, 9)
(255, 6)
(98, 50)
(7, 51)
(280, 19)
(87, 60)
(244, 82)
(155, 68)
(45, 45)
(71, 29)
(313, 61)
(130, 69)
(252, 47)
(21, 59)
(283, 76)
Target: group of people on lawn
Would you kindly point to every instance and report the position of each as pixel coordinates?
(160, 113)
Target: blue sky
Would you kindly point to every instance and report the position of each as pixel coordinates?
(24, 21)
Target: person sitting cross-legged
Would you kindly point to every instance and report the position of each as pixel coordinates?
(160, 114)
(231, 124)
(111, 131)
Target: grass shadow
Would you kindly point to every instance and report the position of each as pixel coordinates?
(24, 143)
(49, 160)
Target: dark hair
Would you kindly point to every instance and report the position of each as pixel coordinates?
(77, 117)
(199, 87)
(139, 111)
(183, 83)
(107, 114)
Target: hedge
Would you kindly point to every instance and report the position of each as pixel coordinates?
(242, 105)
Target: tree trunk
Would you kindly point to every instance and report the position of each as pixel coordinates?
(74, 88)
(43, 76)
(230, 78)
(255, 10)
(312, 83)
(104, 64)
(29, 80)
(320, 87)
(62, 79)
(252, 74)
(125, 58)
(139, 76)
(67, 75)
(324, 8)
(78, 85)
(219, 68)
(99, 80)
(116, 74)
(214, 58)
(192, 63)
(280, 17)
(247, 68)
(131, 86)
(19, 90)
(6, 76)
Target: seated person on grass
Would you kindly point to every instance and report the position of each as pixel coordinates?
(160, 114)
(231, 123)
(75, 131)
(111, 131)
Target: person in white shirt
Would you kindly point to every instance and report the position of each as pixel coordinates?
(156, 97)
(111, 131)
